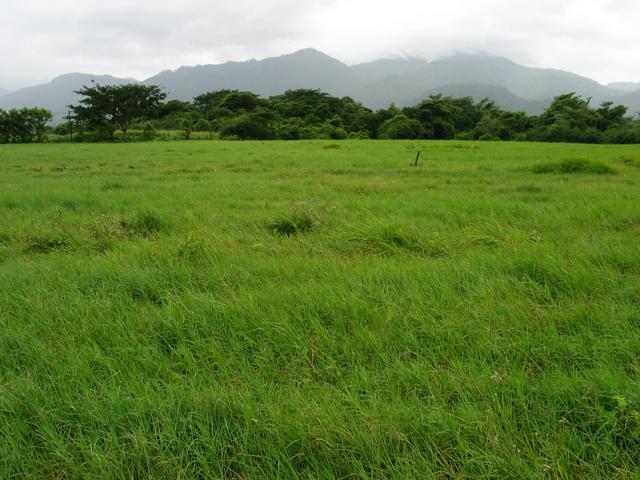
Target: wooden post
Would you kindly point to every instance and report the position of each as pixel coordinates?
(415, 163)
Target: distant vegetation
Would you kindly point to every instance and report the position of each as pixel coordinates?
(138, 112)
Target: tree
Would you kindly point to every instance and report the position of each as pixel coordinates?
(241, 102)
(608, 116)
(211, 100)
(24, 126)
(436, 114)
(36, 122)
(258, 125)
(400, 127)
(115, 106)
(571, 110)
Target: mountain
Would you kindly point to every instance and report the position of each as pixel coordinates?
(627, 87)
(365, 73)
(307, 68)
(376, 84)
(379, 83)
(58, 93)
(526, 82)
(503, 97)
(630, 100)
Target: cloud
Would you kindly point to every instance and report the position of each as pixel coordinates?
(41, 38)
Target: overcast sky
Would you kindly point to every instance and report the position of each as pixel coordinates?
(40, 39)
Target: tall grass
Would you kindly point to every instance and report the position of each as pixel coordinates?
(287, 310)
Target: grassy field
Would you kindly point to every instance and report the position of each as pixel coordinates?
(319, 310)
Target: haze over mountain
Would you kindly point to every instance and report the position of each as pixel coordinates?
(624, 86)
(3, 91)
(377, 84)
(632, 101)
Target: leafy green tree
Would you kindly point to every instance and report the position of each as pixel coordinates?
(503, 126)
(211, 100)
(117, 106)
(608, 116)
(258, 125)
(36, 122)
(400, 127)
(316, 108)
(436, 114)
(173, 107)
(25, 125)
(569, 110)
(241, 102)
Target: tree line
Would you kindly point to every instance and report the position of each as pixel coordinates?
(141, 112)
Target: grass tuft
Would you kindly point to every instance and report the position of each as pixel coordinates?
(292, 224)
(396, 239)
(45, 242)
(113, 185)
(575, 165)
(629, 161)
(145, 224)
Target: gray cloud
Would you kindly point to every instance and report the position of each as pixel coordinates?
(40, 38)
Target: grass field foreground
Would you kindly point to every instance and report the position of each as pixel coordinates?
(319, 310)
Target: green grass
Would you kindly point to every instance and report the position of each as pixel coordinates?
(300, 310)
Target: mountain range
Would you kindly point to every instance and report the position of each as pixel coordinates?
(403, 81)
